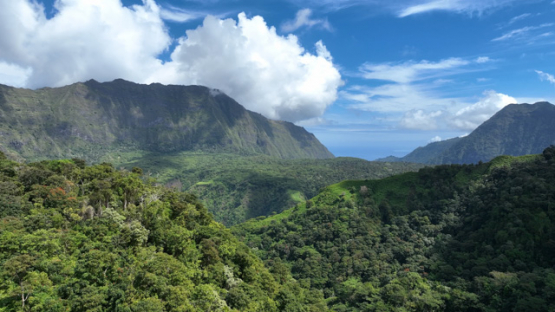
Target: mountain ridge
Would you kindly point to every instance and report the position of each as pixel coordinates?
(516, 130)
(91, 119)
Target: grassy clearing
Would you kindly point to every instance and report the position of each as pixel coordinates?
(507, 161)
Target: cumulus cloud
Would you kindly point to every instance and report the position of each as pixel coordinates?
(420, 120)
(470, 117)
(267, 73)
(410, 91)
(104, 40)
(545, 76)
(85, 39)
(303, 19)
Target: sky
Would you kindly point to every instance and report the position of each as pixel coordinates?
(370, 78)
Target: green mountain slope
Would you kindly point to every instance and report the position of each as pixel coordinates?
(449, 238)
(90, 120)
(76, 238)
(518, 129)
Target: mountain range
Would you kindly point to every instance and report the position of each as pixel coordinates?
(89, 120)
(517, 129)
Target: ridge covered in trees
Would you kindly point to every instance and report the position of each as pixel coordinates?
(449, 238)
(92, 238)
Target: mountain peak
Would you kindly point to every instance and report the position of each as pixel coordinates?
(517, 129)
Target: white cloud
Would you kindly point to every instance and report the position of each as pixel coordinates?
(178, 15)
(265, 72)
(545, 76)
(420, 120)
(14, 75)
(437, 138)
(483, 59)
(459, 6)
(470, 117)
(393, 98)
(313, 122)
(85, 39)
(302, 19)
(103, 40)
(411, 71)
(412, 86)
(446, 5)
(418, 98)
(521, 32)
(519, 17)
(408, 71)
(404, 8)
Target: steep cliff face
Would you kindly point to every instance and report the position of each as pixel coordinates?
(92, 119)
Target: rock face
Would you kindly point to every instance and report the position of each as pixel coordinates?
(517, 129)
(92, 119)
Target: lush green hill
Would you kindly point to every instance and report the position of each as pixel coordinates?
(518, 129)
(91, 120)
(76, 238)
(449, 238)
(236, 188)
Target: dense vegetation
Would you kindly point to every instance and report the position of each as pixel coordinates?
(516, 130)
(450, 238)
(236, 188)
(78, 238)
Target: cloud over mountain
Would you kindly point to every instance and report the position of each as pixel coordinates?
(267, 73)
(264, 71)
(470, 117)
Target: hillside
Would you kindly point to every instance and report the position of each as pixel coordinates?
(517, 129)
(91, 120)
(78, 238)
(236, 188)
(449, 238)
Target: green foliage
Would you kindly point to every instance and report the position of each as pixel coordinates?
(449, 238)
(236, 188)
(78, 238)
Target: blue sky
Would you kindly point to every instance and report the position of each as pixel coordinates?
(369, 78)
